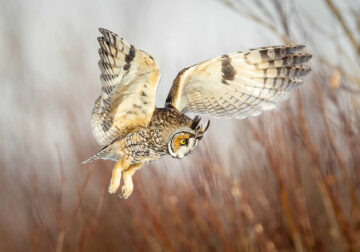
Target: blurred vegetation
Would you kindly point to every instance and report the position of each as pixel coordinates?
(290, 181)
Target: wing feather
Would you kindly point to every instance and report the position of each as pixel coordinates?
(129, 79)
(240, 84)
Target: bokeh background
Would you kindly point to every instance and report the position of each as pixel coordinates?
(285, 181)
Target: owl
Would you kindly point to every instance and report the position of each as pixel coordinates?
(134, 132)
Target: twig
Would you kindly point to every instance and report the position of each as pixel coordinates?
(346, 28)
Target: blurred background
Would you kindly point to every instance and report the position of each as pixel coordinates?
(285, 181)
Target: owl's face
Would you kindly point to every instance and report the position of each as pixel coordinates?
(182, 143)
(185, 140)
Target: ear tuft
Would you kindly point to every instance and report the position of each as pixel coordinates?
(195, 123)
(202, 129)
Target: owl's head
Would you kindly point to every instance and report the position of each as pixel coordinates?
(184, 140)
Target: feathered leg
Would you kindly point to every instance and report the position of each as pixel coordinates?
(128, 186)
(121, 165)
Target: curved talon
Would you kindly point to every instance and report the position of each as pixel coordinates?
(128, 186)
(126, 191)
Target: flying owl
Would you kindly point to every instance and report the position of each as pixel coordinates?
(135, 132)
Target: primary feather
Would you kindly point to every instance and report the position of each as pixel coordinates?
(129, 80)
(240, 84)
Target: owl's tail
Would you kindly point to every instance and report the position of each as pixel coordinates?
(109, 152)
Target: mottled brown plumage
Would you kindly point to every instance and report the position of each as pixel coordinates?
(135, 132)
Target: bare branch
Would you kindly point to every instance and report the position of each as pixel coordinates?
(346, 28)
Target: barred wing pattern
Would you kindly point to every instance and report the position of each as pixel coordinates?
(240, 84)
(129, 80)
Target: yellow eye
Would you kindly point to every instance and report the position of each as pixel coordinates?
(182, 141)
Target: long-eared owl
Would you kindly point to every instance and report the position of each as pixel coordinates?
(134, 132)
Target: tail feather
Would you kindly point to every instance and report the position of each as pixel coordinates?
(109, 152)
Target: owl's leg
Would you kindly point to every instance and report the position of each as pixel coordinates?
(121, 165)
(128, 186)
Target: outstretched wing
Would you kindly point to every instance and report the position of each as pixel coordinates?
(240, 84)
(129, 80)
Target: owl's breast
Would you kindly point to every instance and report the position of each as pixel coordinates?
(150, 143)
(142, 146)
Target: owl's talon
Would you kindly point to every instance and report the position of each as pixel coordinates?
(112, 188)
(126, 191)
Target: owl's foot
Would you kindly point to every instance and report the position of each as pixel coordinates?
(126, 191)
(115, 182)
(114, 185)
(116, 177)
(128, 186)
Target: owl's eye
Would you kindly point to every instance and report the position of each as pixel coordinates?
(183, 141)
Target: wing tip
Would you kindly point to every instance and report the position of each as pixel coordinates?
(298, 46)
(105, 32)
(307, 57)
(295, 48)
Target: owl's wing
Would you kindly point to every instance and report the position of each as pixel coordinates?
(240, 84)
(129, 80)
